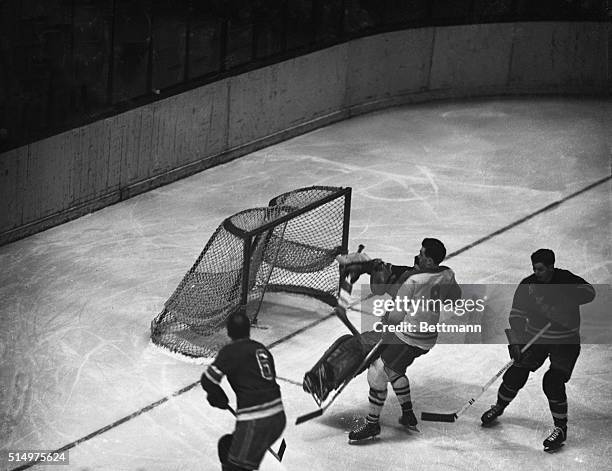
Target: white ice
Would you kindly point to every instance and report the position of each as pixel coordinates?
(76, 301)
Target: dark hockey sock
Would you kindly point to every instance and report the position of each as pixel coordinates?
(514, 379)
(505, 395)
(554, 387)
(559, 412)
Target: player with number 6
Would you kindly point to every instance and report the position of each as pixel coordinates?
(260, 417)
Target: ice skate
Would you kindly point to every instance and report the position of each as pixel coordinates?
(493, 413)
(555, 440)
(364, 431)
(409, 420)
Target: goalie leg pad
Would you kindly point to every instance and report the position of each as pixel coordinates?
(338, 363)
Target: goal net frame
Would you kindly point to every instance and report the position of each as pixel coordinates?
(255, 251)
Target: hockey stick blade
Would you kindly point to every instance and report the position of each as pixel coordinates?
(435, 417)
(306, 417)
(281, 450)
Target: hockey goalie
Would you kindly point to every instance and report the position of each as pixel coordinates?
(343, 360)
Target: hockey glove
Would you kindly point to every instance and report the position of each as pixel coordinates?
(516, 343)
(216, 396)
(218, 399)
(515, 352)
(354, 264)
(380, 277)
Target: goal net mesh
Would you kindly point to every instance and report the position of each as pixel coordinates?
(288, 246)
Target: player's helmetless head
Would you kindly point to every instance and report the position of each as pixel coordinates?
(543, 262)
(238, 325)
(432, 253)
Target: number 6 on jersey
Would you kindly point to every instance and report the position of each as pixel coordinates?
(266, 367)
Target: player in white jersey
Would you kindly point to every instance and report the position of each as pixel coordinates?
(427, 281)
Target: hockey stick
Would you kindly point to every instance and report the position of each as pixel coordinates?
(340, 312)
(281, 449)
(437, 417)
(311, 415)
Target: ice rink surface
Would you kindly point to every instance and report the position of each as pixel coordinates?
(76, 301)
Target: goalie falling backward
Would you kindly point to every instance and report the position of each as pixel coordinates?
(385, 356)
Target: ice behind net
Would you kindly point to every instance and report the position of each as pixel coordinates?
(288, 246)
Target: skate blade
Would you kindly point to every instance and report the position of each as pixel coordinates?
(495, 423)
(363, 441)
(554, 449)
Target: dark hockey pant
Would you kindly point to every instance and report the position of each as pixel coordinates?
(245, 448)
(562, 361)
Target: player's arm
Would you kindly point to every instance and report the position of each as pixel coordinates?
(388, 278)
(581, 291)
(518, 319)
(453, 291)
(210, 382)
(520, 309)
(555, 302)
(384, 277)
(571, 291)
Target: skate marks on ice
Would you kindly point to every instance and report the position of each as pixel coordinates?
(514, 441)
(159, 239)
(518, 434)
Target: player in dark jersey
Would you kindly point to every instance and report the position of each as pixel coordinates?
(549, 295)
(260, 417)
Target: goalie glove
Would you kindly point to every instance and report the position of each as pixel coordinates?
(380, 277)
(354, 265)
(388, 278)
(384, 277)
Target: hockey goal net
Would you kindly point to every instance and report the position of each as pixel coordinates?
(288, 246)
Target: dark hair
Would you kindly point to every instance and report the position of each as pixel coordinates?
(238, 325)
(545, 256)
(434, 249)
